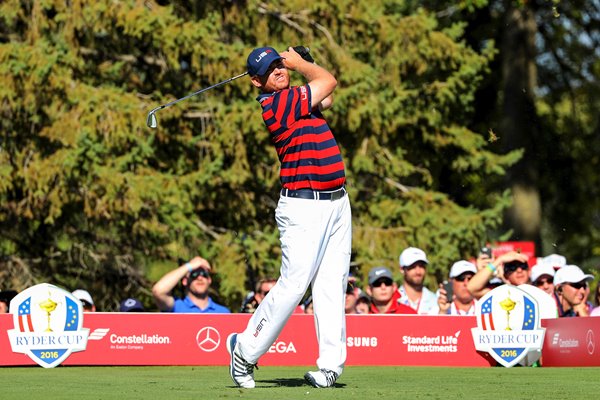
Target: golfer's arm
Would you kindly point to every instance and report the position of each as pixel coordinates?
(321, 82)
(326, 103)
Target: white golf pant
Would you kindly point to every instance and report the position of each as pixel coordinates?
(316, 240)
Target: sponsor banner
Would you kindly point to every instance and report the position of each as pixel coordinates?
(197, 339)
(572, 342)
(527, 248)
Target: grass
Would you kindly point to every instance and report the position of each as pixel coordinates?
(32, 383)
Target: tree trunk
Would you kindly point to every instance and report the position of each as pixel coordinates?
(519, 126)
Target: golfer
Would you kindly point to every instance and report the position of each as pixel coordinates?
(313, 216)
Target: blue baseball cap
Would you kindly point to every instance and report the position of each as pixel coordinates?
(131, 305)
(260, 59)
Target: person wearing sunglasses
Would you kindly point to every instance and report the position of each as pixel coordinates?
(253, 299)
(384, 293)
(511, 267)
(570, 294)
(455, 298)
(542, 277)
(196, 280)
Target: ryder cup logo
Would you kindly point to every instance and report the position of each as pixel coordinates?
(508, 325)
(48, 325)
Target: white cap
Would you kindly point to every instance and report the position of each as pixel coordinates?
(462, 266)
(571, 274)
(83, 295)
(556, 261)
(541, 269)
(411, 255)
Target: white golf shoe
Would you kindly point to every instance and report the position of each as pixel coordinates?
(241, 371)
(322, 378)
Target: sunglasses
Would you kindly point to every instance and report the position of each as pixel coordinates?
(463, 277)
(542, 282)
(199, 272)
(512, 266)
(578, 285)
(384, 281)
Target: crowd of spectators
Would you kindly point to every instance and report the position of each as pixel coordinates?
(562, 288)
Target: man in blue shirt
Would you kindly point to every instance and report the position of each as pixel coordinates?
(195, 277)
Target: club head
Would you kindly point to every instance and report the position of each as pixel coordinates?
(151, 120)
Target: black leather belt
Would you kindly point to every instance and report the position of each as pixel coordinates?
(315, 194)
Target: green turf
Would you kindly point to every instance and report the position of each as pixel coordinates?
(32, 383)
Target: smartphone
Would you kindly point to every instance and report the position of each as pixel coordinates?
(449, 292)
(487, 251)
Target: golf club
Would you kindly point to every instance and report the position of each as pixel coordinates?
(151, 119)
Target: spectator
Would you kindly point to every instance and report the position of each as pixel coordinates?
(542, 276)
(596, 311)
(363, 304)
(5, 297)
(384, 293)
(131, 305)
(86, 300)
(308, 306)
(253, 299)
(556, 261)
(570, 283)
(196, 280)
(351, 299)
(512, 267)
(461, 302)
(589, 304)
(413, 293)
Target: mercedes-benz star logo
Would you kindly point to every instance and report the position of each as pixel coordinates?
(208, 339)
(589, 339)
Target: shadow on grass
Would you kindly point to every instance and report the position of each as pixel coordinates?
(287, 382)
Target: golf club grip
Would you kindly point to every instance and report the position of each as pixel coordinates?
(304, 53)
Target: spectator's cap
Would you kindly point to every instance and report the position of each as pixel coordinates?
(260, 59)
(363, 297)
(541, 269)
(460, 267)
(411, 255)
(495, 281)
(378, 273)
(571, 274)
(556, 261)
(131, 305)
(83, 296)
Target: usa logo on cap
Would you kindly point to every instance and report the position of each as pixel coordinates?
(508, 325)
(47, 325)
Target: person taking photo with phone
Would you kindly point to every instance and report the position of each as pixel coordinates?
(453, 296)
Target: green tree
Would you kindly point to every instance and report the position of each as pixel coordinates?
(90, 197)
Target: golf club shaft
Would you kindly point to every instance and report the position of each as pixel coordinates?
(198, 92)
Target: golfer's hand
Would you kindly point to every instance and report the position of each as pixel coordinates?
(291, 59)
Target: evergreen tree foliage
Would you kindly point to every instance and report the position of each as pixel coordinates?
(91, 197)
